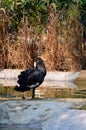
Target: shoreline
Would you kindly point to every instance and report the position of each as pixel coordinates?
(51, 75)
(82, 76)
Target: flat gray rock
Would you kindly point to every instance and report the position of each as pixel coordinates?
(42, 115)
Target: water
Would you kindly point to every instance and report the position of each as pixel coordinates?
(49, 89)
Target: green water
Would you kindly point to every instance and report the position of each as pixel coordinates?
(8, 92)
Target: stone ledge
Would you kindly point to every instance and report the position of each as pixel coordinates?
(51, 75)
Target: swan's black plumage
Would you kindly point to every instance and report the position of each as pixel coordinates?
(32, 77)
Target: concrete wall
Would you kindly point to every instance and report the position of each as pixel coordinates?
(82, 75)
(52, 75)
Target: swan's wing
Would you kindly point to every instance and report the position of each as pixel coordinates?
(34, 79)
(24, 74)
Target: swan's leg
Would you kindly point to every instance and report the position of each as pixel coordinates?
(23, 97)
(33, 93)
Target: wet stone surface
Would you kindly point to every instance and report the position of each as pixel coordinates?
(42, 114)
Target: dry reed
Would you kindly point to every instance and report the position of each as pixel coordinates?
(60, 47)
(63, 49)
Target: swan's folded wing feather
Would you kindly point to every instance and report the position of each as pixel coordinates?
(34, 79)
(24, 74)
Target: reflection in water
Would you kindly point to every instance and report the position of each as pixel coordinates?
(49, 89)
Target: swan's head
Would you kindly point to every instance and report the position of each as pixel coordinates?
(38, 61)
(39, 64)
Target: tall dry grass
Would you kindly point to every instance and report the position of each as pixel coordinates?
(22, 53)
(16, 50)
(60, 46)
(63, 50)
(3, 38)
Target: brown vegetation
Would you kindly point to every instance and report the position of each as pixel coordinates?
(63, 49)
(60, 47)
(15, 49)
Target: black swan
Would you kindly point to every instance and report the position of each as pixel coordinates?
(31, 78)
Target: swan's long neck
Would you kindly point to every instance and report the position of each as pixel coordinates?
(42, 68)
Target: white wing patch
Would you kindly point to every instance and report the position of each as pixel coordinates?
(33, 85)
(18, 85)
